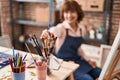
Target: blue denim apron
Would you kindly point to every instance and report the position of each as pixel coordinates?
(68, 52)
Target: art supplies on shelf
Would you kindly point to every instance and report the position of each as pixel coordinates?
(4, 59)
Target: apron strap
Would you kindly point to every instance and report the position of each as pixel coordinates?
(67, 32)
(80, 31)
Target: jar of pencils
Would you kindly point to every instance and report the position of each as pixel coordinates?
(19, 73)
(18, 66)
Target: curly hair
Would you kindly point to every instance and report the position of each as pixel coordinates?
(71, 5)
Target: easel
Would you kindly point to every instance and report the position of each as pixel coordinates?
(112, 59)
(115, 61)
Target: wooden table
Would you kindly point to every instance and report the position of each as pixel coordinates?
(66, 69)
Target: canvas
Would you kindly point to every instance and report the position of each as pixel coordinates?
(111, 58)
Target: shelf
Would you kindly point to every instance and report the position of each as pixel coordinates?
(43, 1)
(95, 39)
(31, 23)
(23, 22)
(92, 12)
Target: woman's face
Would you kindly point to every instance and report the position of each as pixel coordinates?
(70, 16)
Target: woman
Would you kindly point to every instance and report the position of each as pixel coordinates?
(69, 39)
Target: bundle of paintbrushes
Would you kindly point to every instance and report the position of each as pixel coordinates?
(44, 50)
(33, 40)
(47, 45)
(17, 63)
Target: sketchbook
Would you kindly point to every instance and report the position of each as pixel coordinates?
(55, 62)
(4, 59)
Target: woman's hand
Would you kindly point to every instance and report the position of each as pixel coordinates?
(92, 63)
(45, 34)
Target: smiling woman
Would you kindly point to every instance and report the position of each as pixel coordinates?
(69, 35)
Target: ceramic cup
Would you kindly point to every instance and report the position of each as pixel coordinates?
(41, 71)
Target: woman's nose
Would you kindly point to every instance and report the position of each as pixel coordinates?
(69, 14)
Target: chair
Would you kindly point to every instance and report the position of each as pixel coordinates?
(5, 41)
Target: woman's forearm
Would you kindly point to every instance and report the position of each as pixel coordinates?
(83, 55)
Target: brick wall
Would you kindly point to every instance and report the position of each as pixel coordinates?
(115, 19)
(29, 13)
(5, 17)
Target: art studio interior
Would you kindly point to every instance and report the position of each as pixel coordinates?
(59, 39)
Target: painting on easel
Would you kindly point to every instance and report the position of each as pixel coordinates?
(112, 61)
